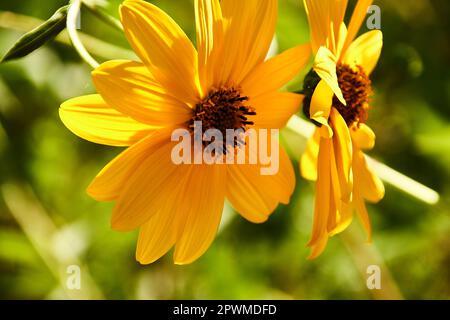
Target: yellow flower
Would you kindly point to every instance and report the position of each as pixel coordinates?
(140, 104)
(337, 96)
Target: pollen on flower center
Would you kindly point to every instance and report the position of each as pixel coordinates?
(356, 89)
(222, 109)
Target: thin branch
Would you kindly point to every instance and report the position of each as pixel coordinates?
(102, 15)
(72, 17)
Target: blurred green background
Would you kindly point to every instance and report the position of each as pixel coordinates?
(47, 221)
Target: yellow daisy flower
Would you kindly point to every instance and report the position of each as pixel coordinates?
(337, 98)
(140, 104)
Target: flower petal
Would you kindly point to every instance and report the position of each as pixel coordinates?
(90, 118)
(340, 215)
(342, 144)
(249, 201)
(156, 237)
(159, 233)
(274, 109)
(318, 247)
(363, 136)
(363, 215)
(308, 161)
(322, 202)
(131, 89)
(325, 67)
(210, 33)
(276, 72)
(359, 14)
(365, 51)
(320, 107)
(147, 189)
(203, 199)
(370, 186)
(325, 19)
(337, 13)
(255, 196)
(162, 46)
(250, 27)
(318, 17)
(341, 40)
(111, 180)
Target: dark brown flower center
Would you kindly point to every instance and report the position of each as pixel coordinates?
(356, 89)
(223, 109)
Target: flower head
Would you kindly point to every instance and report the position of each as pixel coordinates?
(337, 99)
(224, 83)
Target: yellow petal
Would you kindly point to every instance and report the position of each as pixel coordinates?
(363, 215)
(281, 184)
(323, 191)
(341, 40)
(359, 14)
(203, 200)
(325, 19)
(340, 215)
(131, 89)
(370, 186)
(325, 67)
(363, 136)
(156, 237)
(210, 32)
(320, 107)
(342, 144)
(90, 118)
(246, 198)
(111, 180)
(274, 109)
(276, 72)
(147, 189)
(159, 234)
(345, 218)
(337, 13)
(334, 194)
(249, 33)
(256, 196)
(319, 20)
(162, 46)
(308, 161)
(365, 51)
(318, 247)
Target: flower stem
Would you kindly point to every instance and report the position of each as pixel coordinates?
(102, 15)
(403, 182)
(306, 129)
(72, 17)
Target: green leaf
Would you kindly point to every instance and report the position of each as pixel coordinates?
(37, 37)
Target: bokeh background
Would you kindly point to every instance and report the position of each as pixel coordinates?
(47, 221)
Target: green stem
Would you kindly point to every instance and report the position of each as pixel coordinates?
(72, 16)
(102, 15)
